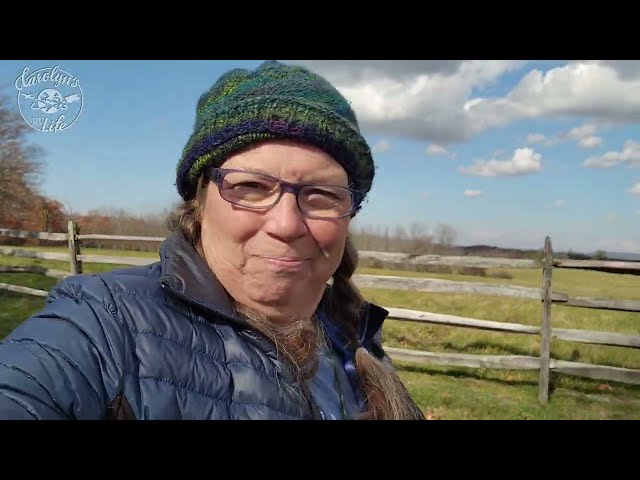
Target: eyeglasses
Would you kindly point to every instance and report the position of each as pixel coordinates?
(261, 192)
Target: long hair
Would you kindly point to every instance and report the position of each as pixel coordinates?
(386, 397)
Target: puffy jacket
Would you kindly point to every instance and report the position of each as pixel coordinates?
(154, 342)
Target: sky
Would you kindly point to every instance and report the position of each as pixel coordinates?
(505, 152)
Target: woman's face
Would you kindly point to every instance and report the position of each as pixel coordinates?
(275, 261)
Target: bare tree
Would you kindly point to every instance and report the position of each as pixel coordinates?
(420, 241)
(20, 165)
(445, 235)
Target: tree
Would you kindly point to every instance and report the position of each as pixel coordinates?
(421, 242)
(20, 166)
(445, 235)
(600, 255)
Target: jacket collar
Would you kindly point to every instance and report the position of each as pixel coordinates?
(187, 274)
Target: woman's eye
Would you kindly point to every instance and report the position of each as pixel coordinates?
(253, 186)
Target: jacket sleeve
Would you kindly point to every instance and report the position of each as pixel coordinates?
(65, 362)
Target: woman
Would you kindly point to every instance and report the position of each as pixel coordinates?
(237, 320)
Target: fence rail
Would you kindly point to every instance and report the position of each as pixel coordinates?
(381, 281)
(601, 265)
(5, 232)
(97, 236)
(581, 336)
(544, 363)
(517, 362)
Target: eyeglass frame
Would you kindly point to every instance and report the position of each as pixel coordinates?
(217, 174)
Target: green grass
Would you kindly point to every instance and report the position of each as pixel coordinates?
(15, 308)
(33, 280)
(458, 392)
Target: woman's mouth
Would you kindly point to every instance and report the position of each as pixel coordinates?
(285, 263)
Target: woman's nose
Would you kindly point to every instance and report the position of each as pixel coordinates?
(285, 219)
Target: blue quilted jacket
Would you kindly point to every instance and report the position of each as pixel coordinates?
(154, 342)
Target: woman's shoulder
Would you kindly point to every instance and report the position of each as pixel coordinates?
(100, 286)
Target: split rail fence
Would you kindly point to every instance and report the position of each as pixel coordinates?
(543, 363)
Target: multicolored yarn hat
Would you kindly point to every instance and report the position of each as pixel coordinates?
(274, 101)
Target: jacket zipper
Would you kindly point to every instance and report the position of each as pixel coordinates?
(247, 326)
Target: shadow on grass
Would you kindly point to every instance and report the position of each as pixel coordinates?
(462, 374)
(490, 348)
(556, 380)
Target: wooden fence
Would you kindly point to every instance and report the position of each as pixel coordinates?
(544, 363)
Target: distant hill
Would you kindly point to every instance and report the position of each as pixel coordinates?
(493, 251)
(625, 256)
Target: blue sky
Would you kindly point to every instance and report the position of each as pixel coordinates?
(505, 152)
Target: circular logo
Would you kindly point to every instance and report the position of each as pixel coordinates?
(49, 99)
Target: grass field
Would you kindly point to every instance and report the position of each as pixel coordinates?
(458, 392)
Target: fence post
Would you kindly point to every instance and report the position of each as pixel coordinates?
(74, 248)
(545, 330)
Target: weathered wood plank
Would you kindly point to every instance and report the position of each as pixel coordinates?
(470, 261)
(603, 304)
(571, 335)
(6, 232)
(85, 258)
(18, 252)
(74, 249)
(600, 265)
(455, 321)
(20, 289)
(516, 362)
(594, 337)
(597, 372)
(545, 330)
(118, 260)
(448, 286)
(98, 236)
(49, 272)
(513, 362)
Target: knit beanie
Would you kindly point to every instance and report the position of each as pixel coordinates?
(274, 101)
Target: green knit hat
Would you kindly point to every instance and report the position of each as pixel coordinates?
(274, 101)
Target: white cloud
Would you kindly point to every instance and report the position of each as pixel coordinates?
(612, 218)
(581, 132)
(585, 135)
(630, 154)
(424, 195)
(559, 203)
(381, 146)
(590, 142)
(435, 100)
(435, 150)
(577, 89)
(541, 139)
(473, 193)
(524, 161)
(418, 99)
(625, 69)
(536, 138)
(635, 190)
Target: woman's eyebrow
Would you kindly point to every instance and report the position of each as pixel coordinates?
(315, 178)
(256, 170)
